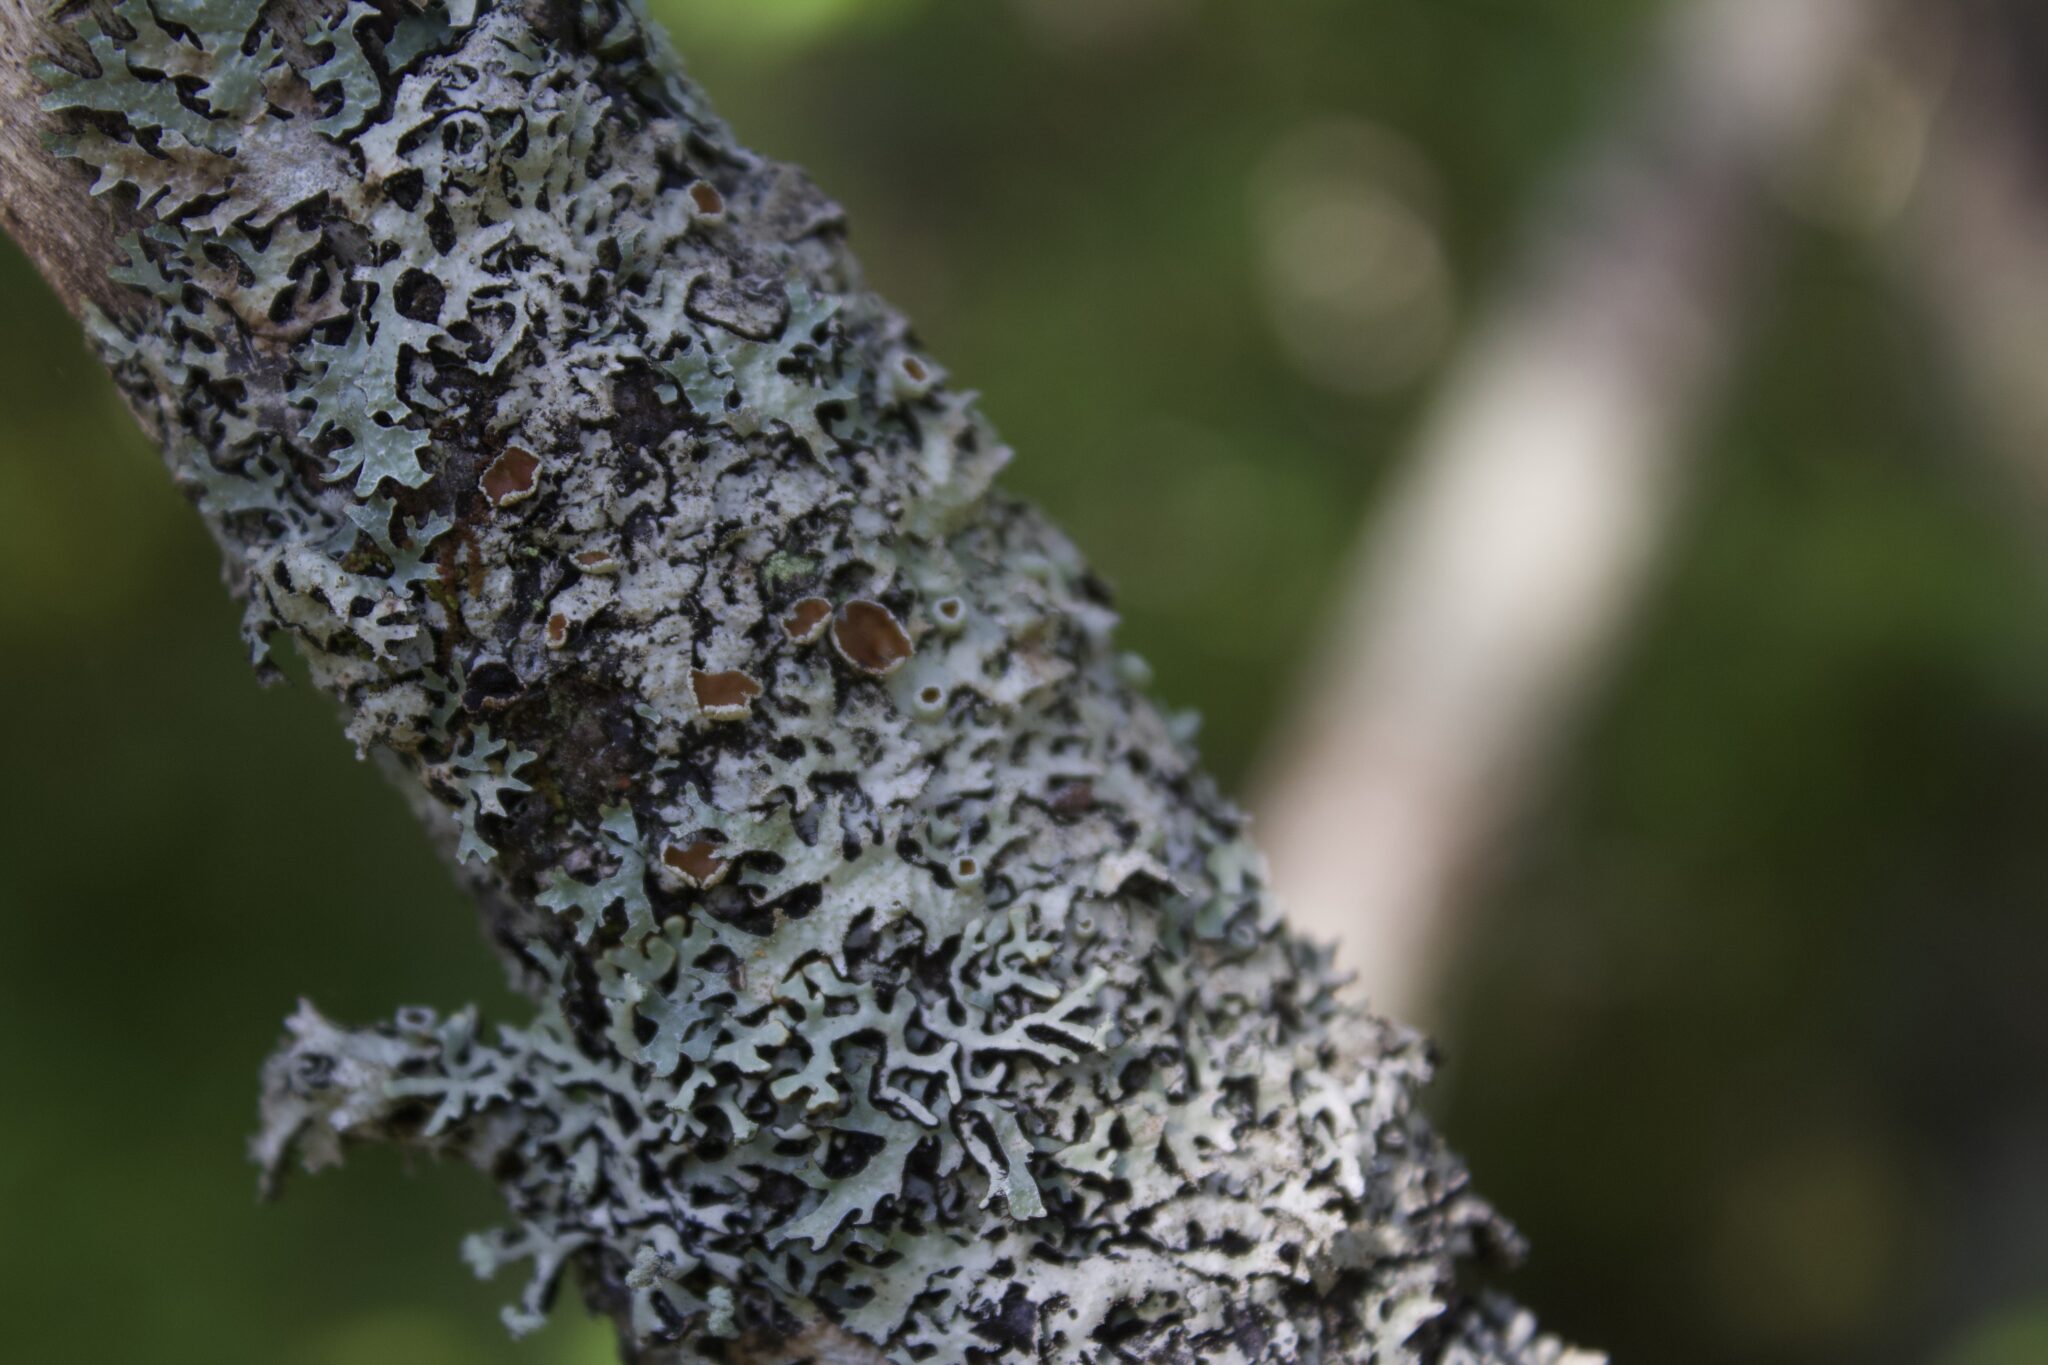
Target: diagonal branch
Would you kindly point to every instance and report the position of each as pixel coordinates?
(904, 990)
(1529, 524)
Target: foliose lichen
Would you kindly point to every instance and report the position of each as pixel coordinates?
(897, 969)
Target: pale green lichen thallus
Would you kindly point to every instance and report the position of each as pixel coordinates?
(896, 967)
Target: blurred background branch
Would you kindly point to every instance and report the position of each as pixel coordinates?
(1496, 577)
(1971, 245)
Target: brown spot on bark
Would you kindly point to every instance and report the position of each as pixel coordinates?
(909, 378)
(461, 562)
(1072, 798)
(558, 631)
(512, 476)
(806, 620)
(696, 864)
(710, 203)
(868, 636)
(724, 696)
(596, 561)
(930, 701)
(492, 685)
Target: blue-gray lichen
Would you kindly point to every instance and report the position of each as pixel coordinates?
(897, 970)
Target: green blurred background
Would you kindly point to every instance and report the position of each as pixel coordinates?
(1750, 1038)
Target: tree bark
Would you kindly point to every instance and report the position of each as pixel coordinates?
(905, 991)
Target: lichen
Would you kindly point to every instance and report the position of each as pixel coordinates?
(919, 983)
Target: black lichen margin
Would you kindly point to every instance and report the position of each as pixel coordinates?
(897, 969)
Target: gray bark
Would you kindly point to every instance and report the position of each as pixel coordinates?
(904, 990)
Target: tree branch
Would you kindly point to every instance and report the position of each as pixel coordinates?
(1972, 249)
(905, 992)
(1505, 563)
(43, 201)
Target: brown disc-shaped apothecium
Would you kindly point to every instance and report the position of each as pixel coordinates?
(868, 636)
(724, 696)
(512, 477)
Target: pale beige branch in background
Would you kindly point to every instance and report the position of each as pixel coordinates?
(1493, 581)
(1971, 248)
